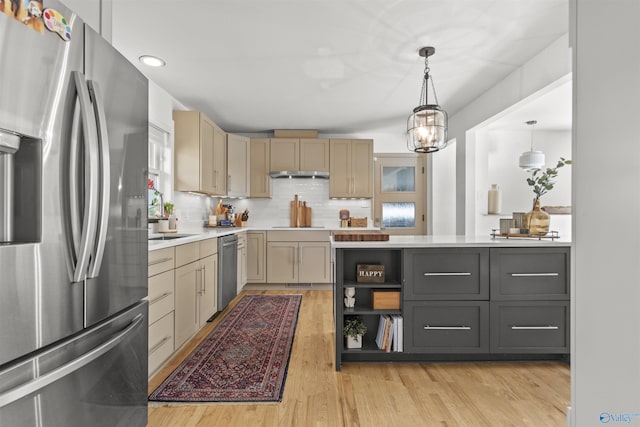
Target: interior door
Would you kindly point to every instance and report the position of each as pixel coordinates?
(399, 202)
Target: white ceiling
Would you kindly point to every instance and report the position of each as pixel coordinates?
(338, 66)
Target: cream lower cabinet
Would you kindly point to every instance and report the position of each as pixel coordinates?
(256, 257)
(161, 307)
(196, 279)
(298, 257)
(241, 272)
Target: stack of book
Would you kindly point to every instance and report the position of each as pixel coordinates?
(389, 337)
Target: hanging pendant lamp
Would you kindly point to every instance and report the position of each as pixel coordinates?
(532, 160)
(427, 125)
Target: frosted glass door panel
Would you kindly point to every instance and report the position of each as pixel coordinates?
(398, 178)
(399, 215)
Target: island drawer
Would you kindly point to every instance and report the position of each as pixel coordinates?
(447, 327)
(446, 274)
(530, 273)
(530, 327)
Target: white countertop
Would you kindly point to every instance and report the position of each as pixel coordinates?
(189, 236)
(450, 241)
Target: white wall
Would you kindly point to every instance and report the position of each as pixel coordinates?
(497, 153)
(605, 359)
(548, 66)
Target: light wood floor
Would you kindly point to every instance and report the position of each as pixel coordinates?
(413, 394)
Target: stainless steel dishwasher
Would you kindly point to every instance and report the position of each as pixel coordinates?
(227, 269)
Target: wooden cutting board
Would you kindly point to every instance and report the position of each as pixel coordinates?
(360, 236)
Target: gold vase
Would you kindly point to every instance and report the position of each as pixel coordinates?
(537, 220)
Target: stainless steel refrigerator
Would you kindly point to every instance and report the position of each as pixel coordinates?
(73, 238)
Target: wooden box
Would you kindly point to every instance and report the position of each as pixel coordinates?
(385, 300)
(358, 222)
(295, 133)
(370, 273)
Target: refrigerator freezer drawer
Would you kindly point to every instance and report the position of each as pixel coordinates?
(96, 378)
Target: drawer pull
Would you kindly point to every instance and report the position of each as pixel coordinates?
(163, 296)
(447, 328)
(535, 328)
(447, 274)
(160, 261)
(534, 274)
(160, 344)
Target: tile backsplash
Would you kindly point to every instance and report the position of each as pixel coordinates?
(192, 210)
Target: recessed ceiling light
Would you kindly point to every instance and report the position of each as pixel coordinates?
(152, 61)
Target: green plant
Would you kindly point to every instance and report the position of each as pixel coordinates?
(168, 208)
(544, 183)
(354, 327)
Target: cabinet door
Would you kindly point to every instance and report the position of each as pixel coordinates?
(207, 173)
(285, 154)
(256, 257)
(282, 262)
(187, 279)
(219, 162)
(207, 289)
(259, 159)
(314, 265)
(238, 159)
(187, 152)
(241, 272)
(362, 168)
(340, 168)
(314, 155)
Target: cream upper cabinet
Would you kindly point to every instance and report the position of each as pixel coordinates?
(314, 155)
(351, 173)
(200, 154)
(292, 154)
(238, 163)
(219, 161)
(285, 154)
(259, 159)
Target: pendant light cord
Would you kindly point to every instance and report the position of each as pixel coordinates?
(532, 123)
(424, 93)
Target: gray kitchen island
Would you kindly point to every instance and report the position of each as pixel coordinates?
(454, 298)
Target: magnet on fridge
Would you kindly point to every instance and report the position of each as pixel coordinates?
(56, 23)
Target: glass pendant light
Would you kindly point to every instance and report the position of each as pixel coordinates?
(427, 125)
(532, 160)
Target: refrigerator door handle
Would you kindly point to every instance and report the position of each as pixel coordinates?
(68, 368)
(105, 178)
(74, 198)
(89, 223)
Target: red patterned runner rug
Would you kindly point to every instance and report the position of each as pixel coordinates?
(244, 359)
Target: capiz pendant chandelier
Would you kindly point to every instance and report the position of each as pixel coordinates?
(427, 125)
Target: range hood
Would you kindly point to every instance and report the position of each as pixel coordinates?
(299, 174)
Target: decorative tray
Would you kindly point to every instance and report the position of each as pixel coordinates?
(495, 234)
